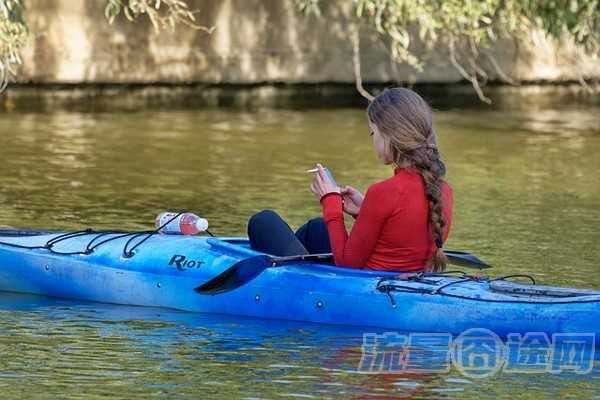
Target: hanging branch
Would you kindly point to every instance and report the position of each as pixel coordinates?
(13, 29)
(499, 71)
(479, 71)
(471, 78)
(13, 36)
(356, 63)
(175, 12)
(478, 24)
(580, 77)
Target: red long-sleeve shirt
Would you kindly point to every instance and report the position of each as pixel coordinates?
(391, 232)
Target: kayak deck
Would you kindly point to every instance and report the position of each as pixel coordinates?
(459, 285)
(455, 284)
(164, 270)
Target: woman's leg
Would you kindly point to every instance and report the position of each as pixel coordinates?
(314, 236)
(270, 234)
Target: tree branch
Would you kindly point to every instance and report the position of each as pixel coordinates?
(466, 75)
(499, 71)
(356, 63)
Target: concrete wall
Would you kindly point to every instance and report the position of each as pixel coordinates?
(255, 41)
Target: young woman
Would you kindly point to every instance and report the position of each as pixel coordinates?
(402, 222)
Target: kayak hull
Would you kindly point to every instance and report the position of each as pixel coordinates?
(164, 271)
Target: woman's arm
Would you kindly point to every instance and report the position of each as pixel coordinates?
(352, 199)
(355, 249)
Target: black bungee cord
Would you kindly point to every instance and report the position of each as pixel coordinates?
(93, 244)
(387, 287)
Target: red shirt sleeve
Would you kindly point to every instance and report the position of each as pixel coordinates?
(355, 249)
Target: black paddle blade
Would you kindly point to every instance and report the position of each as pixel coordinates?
(235, 276)
(463, 259)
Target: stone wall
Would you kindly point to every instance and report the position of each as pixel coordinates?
(255, 41)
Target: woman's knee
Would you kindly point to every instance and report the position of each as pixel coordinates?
(263, 217)
(269, 233)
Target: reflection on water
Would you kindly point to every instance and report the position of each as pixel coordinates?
(526, 192)
(78, 350)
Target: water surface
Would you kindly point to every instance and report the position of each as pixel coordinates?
(526, 199)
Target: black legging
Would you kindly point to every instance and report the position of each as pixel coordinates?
(270, 234)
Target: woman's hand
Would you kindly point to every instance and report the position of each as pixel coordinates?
(321, 185)
(353, 200)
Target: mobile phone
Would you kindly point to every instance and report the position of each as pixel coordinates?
(327, 171)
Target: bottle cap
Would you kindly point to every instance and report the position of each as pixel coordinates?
(202, 224)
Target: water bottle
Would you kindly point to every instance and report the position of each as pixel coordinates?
(185, 224)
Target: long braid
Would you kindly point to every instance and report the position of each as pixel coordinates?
(431, 168)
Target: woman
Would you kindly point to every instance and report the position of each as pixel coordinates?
(402, 222)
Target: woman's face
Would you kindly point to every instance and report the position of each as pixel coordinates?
(380, 144)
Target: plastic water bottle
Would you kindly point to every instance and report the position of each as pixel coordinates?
(185, 224)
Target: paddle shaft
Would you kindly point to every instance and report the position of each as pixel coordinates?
(456, 257)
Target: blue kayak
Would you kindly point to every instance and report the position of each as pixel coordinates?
(147, 269)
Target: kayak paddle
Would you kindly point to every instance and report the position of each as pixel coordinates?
(465, 259)
(245, 270)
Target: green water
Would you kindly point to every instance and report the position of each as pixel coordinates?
(526, 190)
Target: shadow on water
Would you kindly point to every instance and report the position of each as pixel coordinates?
(111, 98)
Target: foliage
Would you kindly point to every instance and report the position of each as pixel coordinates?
(309, 7)
(466, 29)
(175, 12)
(13, 34)
(580, 19)
(13, 28)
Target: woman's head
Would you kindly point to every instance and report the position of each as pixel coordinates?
(401, 123)
(404, 123)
